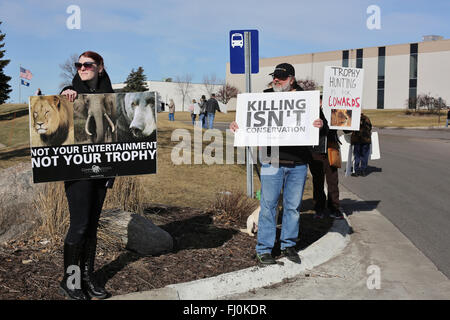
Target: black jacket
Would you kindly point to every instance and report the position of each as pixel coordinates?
(203, 105)
(212, 105)
(332, 136)
(103, 86)
(300, 154)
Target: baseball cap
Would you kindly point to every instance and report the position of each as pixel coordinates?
(283, 70)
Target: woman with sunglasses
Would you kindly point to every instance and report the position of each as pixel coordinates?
(85, 197)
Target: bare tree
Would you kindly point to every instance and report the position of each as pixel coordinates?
(68, 71)
(308, 84)
(184, 85)
(226, 92)
(209, 81)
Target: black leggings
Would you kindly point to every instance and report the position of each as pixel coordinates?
(85, 198)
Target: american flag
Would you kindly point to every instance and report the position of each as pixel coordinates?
(26, 74)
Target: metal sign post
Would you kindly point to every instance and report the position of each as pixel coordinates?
(244, 59)
(248, 88)
(348, 168)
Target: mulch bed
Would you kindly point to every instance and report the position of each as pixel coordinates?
(204, 246)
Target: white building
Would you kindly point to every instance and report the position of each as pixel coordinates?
(171, 90)
(392, 74)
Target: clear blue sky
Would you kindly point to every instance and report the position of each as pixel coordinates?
(171, 38)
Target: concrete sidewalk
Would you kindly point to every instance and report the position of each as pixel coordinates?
(375, 262)
(379, 263)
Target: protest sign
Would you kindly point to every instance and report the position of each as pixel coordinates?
(277, 119)
(96, 136)
(374, 153)
(342, 97)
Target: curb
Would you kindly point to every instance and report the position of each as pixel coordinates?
(443, 127)
(327, 247)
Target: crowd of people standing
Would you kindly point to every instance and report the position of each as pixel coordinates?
(205, 110)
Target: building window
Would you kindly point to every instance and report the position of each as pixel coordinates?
(381, 77)
(413, 75)
(359, 58)
(345, 58)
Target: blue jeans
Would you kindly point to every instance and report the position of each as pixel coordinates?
(211, 120)
(446, 124)
(193, 117)
(292, 180)
(202, 119)
(361, 152)
(171, 116)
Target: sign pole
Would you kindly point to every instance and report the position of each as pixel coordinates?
(348, 168)
(248, 88)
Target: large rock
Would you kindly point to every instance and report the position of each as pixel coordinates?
(17, 211)
(136, 232)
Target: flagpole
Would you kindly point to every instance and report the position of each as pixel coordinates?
(20, 66)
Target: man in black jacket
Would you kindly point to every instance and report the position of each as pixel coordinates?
(211, 107)
(289, 175)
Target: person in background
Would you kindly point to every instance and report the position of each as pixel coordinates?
(85, 197)
(211, 108)
(361, 141)
(171, 110)
(320, 169)
(194, 108)
(202, 115)
(448, 117)
(38, 92)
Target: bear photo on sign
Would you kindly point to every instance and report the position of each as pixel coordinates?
(136, 116)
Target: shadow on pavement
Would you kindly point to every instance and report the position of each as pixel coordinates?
(350, 206)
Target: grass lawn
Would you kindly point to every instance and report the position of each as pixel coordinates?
(186, 116)
(379, 118)
(12, 107)
(398, 118)
(15, 132)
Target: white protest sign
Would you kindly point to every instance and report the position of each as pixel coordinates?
(277, 119)
(374, 153)
(342, 97)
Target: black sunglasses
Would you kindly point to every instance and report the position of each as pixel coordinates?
(282, 78)
(86, 65)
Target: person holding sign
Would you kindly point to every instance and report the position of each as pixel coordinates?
(85, 197)
(320, 169)
(289, 174)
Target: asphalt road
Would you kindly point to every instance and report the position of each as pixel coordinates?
(410, 185)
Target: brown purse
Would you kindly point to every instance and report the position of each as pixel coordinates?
(334, 155)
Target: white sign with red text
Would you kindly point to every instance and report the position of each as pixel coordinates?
(342, 97)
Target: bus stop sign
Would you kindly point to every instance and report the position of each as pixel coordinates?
(237, 51)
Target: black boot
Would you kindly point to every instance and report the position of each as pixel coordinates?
(93, 289)
(70, 285)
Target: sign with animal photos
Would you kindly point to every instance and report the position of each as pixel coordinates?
(96, 136)
(277, 119)
(342, 97)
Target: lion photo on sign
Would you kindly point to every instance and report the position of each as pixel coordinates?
(341, 117)
(51, 121)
